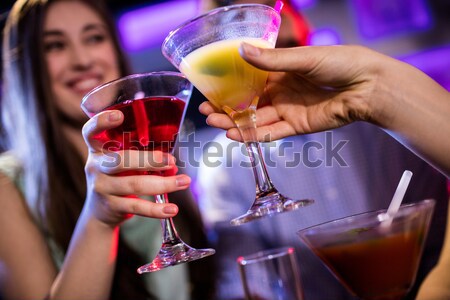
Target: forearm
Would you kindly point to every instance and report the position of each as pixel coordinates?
(89, 266)
(416, 110)
(437, 283)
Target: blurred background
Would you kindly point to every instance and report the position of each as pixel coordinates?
(416, 31)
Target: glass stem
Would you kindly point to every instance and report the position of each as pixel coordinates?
(170, 235)
(263, 183)
(246, 123)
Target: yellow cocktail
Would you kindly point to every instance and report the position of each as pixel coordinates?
(205, 49)
(220, 73)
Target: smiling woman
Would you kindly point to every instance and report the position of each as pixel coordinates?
(80, 55)
(72, 228)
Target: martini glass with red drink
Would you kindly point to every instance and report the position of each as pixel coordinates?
(153, 105)
(374, 258)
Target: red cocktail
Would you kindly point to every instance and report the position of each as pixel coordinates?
(153, 105)
(150, 124)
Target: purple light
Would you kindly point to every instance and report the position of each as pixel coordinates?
(324, 37)
(377, 18)
(433, 62)
(147, 27)
(302, 4)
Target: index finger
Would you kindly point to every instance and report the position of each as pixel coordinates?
(97, 125)
(298, 59)
(333, 66)
(207, 108)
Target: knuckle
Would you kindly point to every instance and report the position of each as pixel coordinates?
(154, 210)
(155, 159)
(89, 127)
(97, 185)
(134, 207)
(86, 128)
(167, 184)
(89, 168)
(136, 185)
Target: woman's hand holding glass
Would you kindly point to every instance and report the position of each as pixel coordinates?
(109, 197)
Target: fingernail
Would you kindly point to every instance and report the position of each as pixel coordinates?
(113, 116)
(183, 180)
(200, 107)
(249, 50)
(170, 209)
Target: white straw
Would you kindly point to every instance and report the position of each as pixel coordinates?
(397, 198)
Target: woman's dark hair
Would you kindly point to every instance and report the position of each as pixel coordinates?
(54, 179)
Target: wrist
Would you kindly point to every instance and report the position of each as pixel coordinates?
(362, 98)
(91, 221)
(380, 106)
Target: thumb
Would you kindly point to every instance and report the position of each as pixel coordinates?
(299, 59)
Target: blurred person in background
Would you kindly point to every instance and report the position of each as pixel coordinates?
(67, 229)
(359, 171)
(294, 29)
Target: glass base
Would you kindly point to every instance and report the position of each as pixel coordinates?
(268, 205)
(173, 254)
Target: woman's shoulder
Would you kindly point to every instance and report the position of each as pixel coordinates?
(10, 175)
(11, 182)
(10, 166)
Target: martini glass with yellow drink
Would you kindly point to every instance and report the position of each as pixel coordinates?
(205, 49)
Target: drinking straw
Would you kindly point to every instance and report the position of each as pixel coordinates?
(397, 198)
(278, 6)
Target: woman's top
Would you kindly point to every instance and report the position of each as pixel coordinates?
(142, 234)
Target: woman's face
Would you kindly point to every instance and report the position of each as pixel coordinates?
(79, 53)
